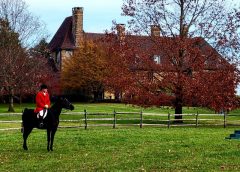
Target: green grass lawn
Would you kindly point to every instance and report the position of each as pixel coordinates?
(124, 149)
(110, 107)
(121, 149)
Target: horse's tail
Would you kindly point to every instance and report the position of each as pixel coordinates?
(24, 114)
(23, 119)
(28, 117)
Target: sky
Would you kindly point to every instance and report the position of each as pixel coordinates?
(97, 14)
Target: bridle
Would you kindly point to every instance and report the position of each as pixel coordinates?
(68, 103)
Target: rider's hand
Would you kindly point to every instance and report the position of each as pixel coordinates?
(46, 106)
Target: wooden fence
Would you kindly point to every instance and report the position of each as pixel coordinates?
(167, 119)
(87, 119)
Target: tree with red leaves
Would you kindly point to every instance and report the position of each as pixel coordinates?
(19, 30)
(188, 57)
(44, 69)
(21, 72)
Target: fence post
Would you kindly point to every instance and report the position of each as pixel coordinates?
(168, 120)
(85, 116)
(141, 118)
(197, 119)
(114, 119)
(224, 119)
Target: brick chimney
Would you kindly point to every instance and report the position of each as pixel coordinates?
(155, 30)
(121, 31)
(77, 25)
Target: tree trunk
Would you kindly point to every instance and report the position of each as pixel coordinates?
(10, 107)
(20, 99)
(178, 105)
(95, 96)
(178, 110)
(10, 101)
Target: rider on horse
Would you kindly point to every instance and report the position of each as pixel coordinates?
(42, 103)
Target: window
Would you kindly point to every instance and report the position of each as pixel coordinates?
(69, 53)
(157, 59)
(58, 58)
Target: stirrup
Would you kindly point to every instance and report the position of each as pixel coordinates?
(41, 125)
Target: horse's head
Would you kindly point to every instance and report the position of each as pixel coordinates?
(65, 103)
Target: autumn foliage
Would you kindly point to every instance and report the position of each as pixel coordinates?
(84, 71)
(20, 69)
(177, 67)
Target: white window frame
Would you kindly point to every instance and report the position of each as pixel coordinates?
(58, 58)
(157, 59)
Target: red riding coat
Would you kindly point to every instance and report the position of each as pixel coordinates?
(42, 99)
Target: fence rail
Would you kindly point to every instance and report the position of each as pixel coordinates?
(114, 119)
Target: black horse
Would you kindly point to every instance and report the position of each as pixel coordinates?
(30, 121)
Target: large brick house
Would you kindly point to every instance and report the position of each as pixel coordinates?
(70, 35)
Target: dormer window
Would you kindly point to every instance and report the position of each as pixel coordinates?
(157, 59)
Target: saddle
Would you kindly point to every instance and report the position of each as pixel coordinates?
(41, 115)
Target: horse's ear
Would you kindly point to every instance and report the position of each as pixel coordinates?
(54, 98)
(61, 97)
(58, 98)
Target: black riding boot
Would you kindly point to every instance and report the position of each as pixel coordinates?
(40, 122)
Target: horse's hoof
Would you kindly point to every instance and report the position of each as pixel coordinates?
(50, 149)
(25, 148)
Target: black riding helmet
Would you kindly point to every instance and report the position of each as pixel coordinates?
(43, 86)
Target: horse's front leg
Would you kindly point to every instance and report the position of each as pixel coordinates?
(48, 138)
(52, 138)
(26, 133)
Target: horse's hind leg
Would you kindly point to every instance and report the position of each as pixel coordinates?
(26, 133)
(22, 128)
(52, 138)
(48, 138)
